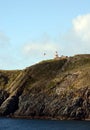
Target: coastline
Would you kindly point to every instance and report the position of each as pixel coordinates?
(45, 118)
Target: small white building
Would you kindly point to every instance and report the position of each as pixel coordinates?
(61, 57)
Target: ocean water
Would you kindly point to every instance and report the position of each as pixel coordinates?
(27, 124)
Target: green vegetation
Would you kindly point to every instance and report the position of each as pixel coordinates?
(48, 74)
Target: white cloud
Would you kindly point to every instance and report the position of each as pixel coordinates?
(81, 26)
(30, 47)
(38, 48)
(77, 39)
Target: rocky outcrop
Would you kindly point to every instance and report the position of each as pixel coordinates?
(3, 96)
(57, 106)
(57, 89)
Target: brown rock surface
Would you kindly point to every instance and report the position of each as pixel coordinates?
(56, 89)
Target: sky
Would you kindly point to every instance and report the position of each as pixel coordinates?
(30, 28)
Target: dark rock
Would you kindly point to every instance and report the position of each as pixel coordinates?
(9, 106)
(3, 96)
(80, 113)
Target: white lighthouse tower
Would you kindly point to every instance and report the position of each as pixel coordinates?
(56, 55)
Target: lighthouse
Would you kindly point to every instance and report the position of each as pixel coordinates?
(56, 55)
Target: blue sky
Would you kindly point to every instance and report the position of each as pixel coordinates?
(30, 28)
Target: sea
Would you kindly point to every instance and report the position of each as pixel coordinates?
(28, 124)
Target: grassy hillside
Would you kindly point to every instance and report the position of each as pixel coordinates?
(50, 89)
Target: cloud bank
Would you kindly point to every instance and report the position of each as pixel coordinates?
(77, 39)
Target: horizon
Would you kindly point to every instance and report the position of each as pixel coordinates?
(30, 29)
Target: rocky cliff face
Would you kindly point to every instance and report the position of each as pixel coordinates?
(58, 89)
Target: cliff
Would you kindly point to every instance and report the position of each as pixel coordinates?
(55, 89)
